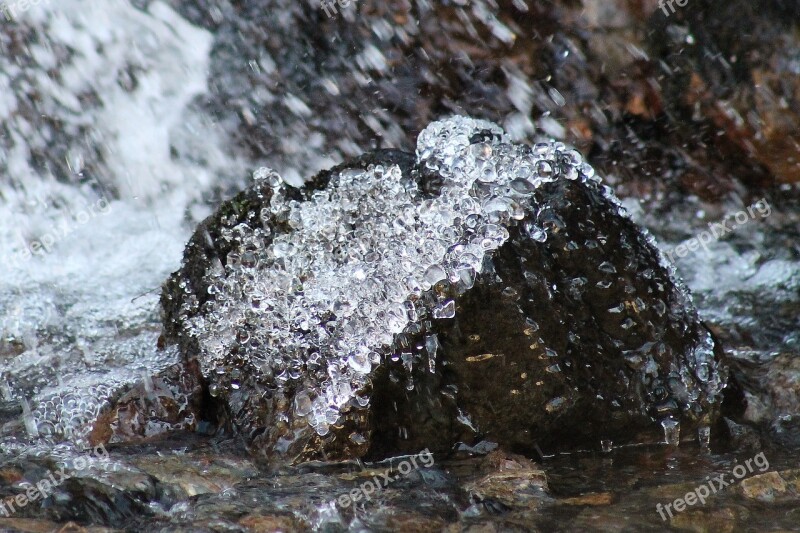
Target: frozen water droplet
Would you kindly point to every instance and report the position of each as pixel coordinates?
(607, 267)
(432, 346)
(445, 310)
(342, 394)
(704, 436)
(466, 420)
(555, 405)
(544, 169)
(147, 380)
(535, 232)
(435, 274)
(302, 404)
(5, 390)
(672, 431)
(268, 177)
(703, 372)
(360, 362)
(357, 438)
(29, 420)
(523, 186)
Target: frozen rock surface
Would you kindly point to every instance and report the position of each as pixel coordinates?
(365, 312)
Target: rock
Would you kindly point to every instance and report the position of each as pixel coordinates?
(169, 401)
(596, 498)
(792, 478)
(364, 313)
(743, 437)
(27, 525)
(723, 519)
(414, 522)
(524, 488)
(195, 473)
(780, 387)
(764, 487)
(270, 524)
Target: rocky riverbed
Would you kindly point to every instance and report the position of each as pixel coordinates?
(127, 125)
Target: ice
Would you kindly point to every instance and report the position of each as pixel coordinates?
(672, 431)
(346, 278)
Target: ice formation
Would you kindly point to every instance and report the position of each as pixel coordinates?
(316, 298)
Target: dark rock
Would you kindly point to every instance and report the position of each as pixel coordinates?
(534, 312)
(776, 408)
(511, 482)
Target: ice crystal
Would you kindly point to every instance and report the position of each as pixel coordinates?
(320, 302)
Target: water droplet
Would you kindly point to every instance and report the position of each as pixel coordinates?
(29, 420)
(445, 310)
(704, 436)
(268, 177)
(432, 346)
(544, 169)
(672, 431)
(302, 404)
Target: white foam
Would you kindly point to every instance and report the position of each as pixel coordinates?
(84, 312)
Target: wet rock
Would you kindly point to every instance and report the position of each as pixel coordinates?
(414, 522)
(366, 311)
(765, 487)
(597, 498)
(742, 436)
(724, 519)
(792, 478)
(513, 482)
(270, 524)
(778, 405)
(771, 487)
(28, 525)
(195, 473)
(169, 401)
